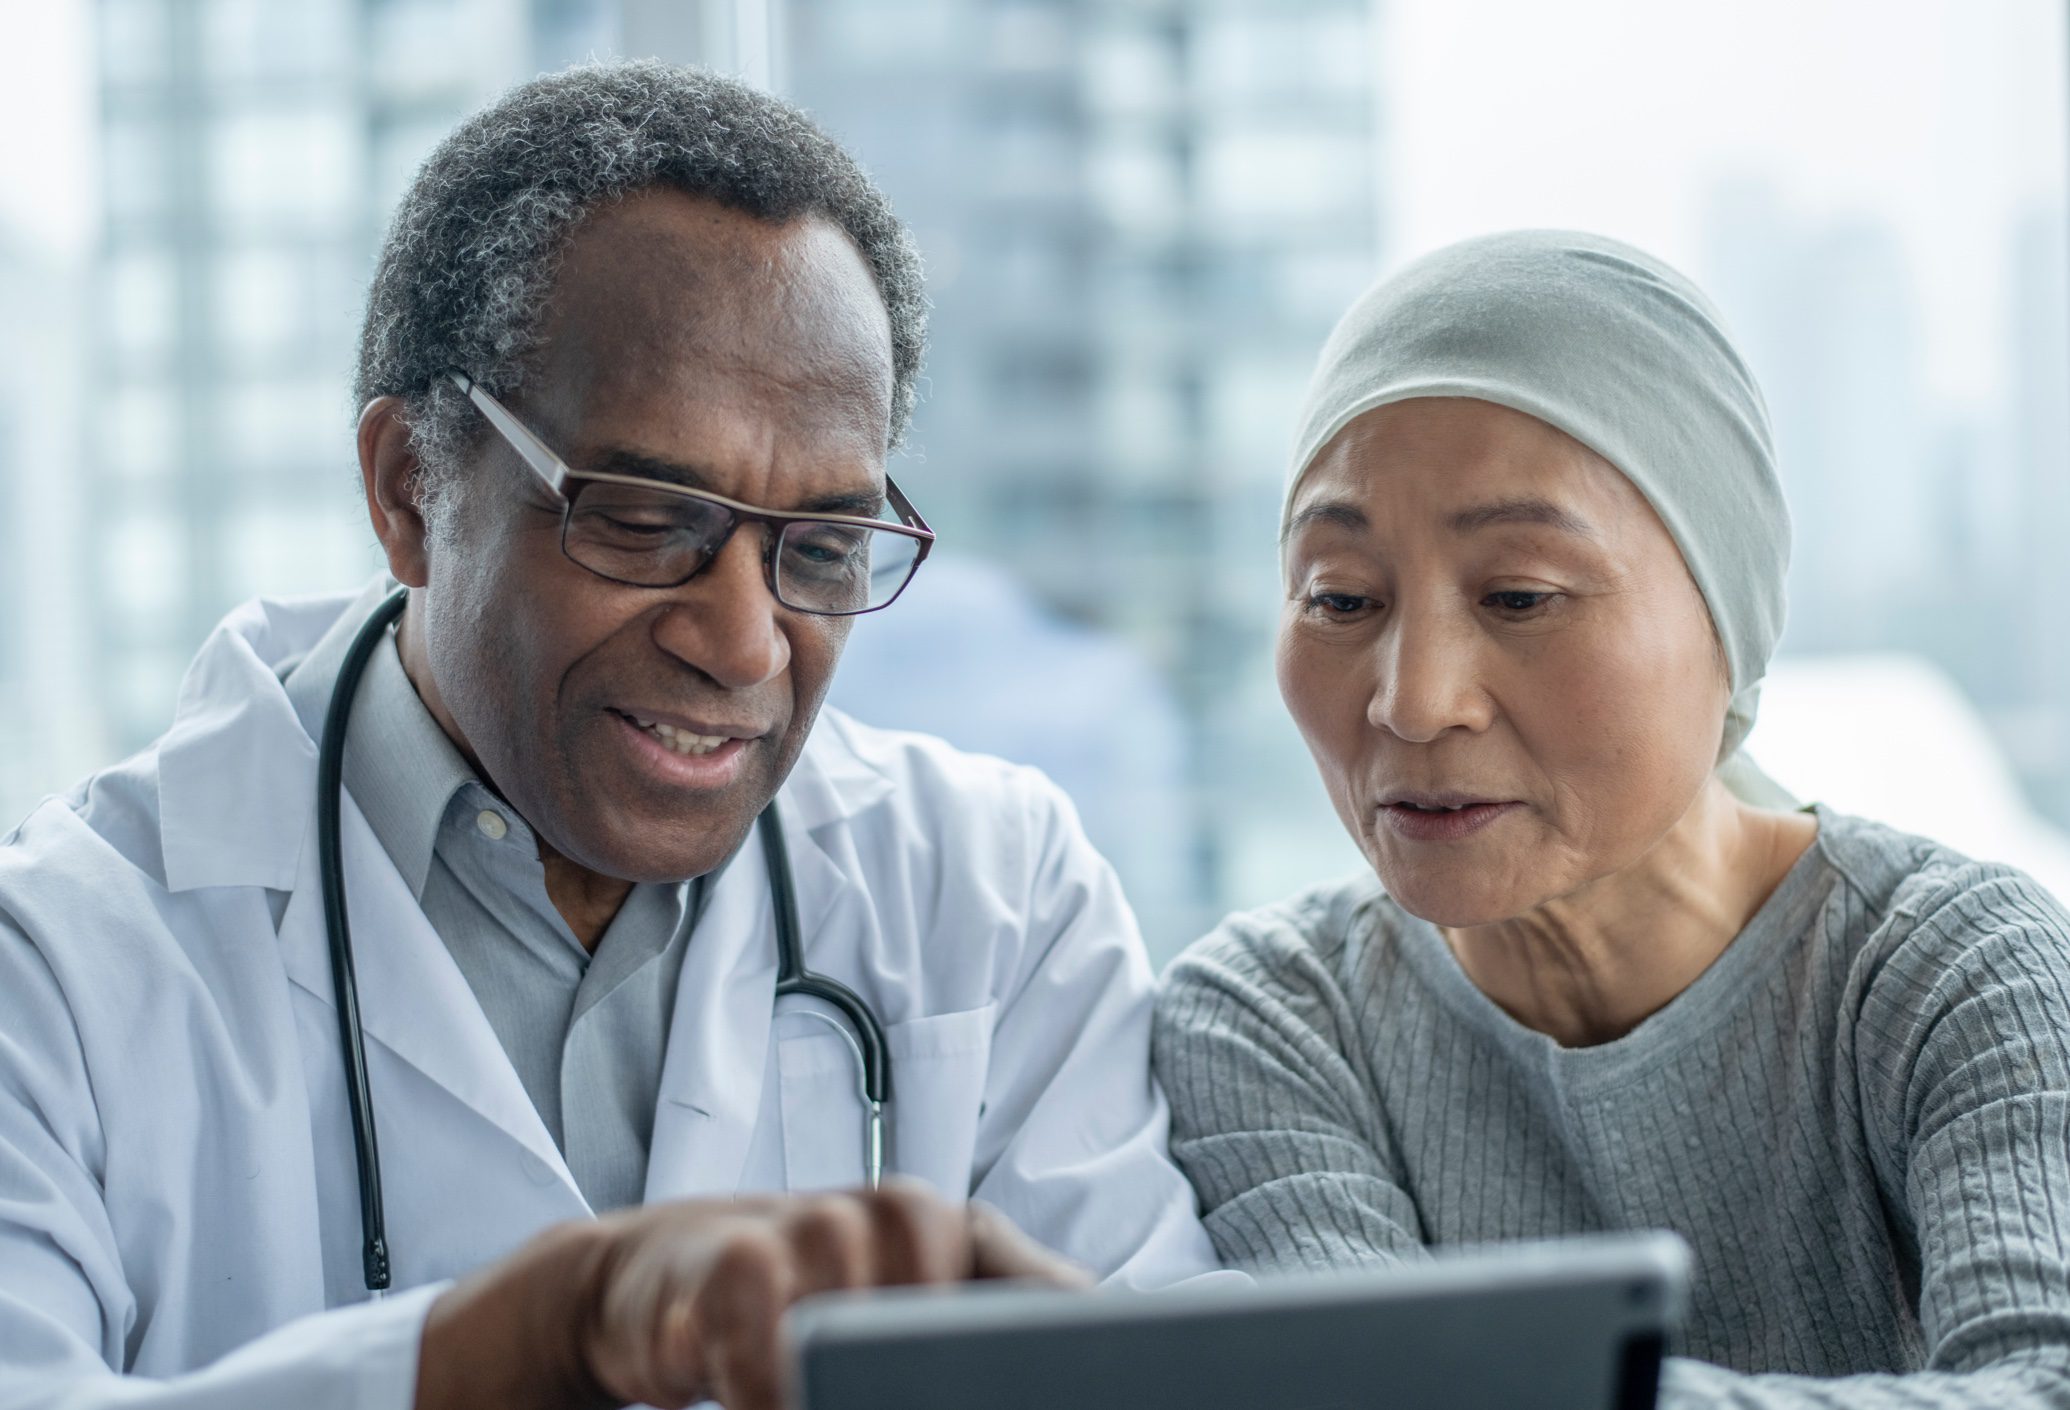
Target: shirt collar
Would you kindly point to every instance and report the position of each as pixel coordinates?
(400, 766)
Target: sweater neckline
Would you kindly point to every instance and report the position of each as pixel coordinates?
(1709, 1000)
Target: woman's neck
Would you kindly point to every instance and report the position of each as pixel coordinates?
(1591, 966)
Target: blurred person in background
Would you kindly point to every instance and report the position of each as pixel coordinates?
(1533, 547)
(638, 346)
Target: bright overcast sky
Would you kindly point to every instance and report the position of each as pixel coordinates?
(46, 185)
(1940, 117)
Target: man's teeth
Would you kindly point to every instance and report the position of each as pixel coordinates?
(681, 740)
(1433, 809)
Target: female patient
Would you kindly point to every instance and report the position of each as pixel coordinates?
(1534, 549)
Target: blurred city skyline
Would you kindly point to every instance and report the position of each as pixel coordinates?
(1140, 217)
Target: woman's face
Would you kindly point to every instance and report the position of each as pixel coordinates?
(1497, 656)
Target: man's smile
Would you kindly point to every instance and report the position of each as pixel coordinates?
(681, 758)
(687, 736)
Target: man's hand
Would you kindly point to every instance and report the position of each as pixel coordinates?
(678, 1303)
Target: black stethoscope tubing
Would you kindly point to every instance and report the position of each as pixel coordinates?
(858, 1022)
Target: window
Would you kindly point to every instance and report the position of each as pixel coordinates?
(1137, 182)
(143, 563)
(135, 167)
(140, 431)
(139, 299)
(399, 149)
(249, 40)
(135, 40)
(886, 33)
(1273, 178)
(1030, 35)
(1143, 418)
(284, 426)
(1298, 54)
(281, 301)
(296, 549)
(269, 167)
(418, 46)
(1132, 71)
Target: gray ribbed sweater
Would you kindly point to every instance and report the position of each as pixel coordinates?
(1859, 1118)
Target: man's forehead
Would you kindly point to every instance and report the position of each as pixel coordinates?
(667, 268)
(830, 488)
(673, 306)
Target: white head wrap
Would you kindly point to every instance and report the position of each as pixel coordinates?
(1622, 353)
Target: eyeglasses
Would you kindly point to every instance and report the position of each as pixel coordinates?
(649, 533)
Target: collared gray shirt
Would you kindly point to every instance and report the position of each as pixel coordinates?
(587, 1032)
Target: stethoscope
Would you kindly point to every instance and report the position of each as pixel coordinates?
(857, 1024)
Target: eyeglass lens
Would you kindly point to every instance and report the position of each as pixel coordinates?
(651, 538)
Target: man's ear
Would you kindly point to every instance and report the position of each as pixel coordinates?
(388, 471)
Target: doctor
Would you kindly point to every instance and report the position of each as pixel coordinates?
(639, 342)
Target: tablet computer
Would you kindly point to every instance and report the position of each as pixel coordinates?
(1569, 1325)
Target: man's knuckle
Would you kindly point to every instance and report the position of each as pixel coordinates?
(832, 1225)
(750, 1258)
(907, 1207)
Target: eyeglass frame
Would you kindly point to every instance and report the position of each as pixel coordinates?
(555, 473)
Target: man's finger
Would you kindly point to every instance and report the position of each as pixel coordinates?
(1000, 1250)
(917, 1238)
(739, 1308)
(835, 1244)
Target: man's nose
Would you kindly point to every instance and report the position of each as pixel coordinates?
(725, 621)
(1428, 681)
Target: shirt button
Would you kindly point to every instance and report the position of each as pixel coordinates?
(491, 824)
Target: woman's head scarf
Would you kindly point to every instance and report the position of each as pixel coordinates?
(1622, 353)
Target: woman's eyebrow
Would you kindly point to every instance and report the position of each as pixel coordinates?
(1525, 510)
(1342, 513)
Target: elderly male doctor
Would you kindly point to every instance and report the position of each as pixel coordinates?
(638, 344)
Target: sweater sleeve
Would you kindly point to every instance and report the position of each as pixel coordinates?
(1962, 1055)
(1271, 1119)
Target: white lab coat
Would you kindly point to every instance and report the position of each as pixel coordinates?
(179, 1218)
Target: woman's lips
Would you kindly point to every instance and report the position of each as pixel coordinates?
(1441, 824)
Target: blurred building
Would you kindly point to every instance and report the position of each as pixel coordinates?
(969, 655)
(1140, 218)
(2038, 330)
(252, 151)
(47, 728)
(1826, 313)
(1919, 527)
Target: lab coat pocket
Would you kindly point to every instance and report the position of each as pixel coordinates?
(938, 1067)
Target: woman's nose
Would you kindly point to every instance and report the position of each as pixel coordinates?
(1428, 681)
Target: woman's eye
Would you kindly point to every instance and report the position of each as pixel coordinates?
(1518, 602)
(1336, 604)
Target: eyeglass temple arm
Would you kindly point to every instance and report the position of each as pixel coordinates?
(550, 468)
(903, 507)
(544, 463)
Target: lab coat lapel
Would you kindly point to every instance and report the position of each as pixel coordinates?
(711, 1083)
(711, 1080)
(413, 999)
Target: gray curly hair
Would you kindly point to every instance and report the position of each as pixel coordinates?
(472, 252)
